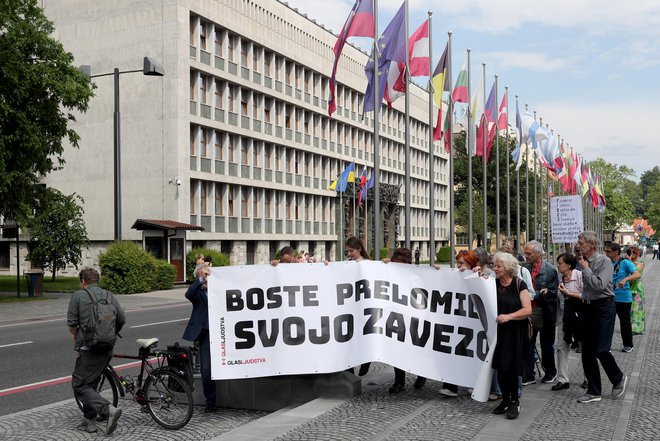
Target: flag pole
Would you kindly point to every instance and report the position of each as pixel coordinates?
(378, 234)
(452, 234)
(508, 171)
(341, 213)
(518, 188)
(356, 234)
(526, 187)
(469, 133)
(407, 136)
(484, 138)
(540, 190)
(536, 189)
(497, 170)
(431, 151)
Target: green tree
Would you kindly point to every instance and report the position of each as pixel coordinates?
(57, 231)
(461, 194)
(617, 188)
(646, 183)
(653, 206)
(40, 90)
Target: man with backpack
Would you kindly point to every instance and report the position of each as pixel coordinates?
(95, 317)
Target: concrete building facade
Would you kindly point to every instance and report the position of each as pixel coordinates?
(236, 136)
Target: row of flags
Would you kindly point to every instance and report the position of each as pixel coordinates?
(348, 175)
(489, 119)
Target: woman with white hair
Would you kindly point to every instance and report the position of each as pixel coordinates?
(513, 308)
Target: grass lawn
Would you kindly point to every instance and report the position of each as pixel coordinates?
(61, 284)
(24, 298)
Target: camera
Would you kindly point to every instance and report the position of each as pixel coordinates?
(178, 181)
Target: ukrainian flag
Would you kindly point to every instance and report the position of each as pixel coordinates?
(344, 178)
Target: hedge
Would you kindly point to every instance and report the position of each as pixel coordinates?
(127, 269)
(443, 255)
(219, 259)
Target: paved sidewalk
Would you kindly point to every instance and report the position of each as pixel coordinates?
(421, 414)
(57, 304)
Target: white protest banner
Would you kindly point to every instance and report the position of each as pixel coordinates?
(566, 218)
(316, 318)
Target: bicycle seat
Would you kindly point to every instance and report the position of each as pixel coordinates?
(146, 342)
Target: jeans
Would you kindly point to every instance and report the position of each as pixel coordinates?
(85, 378)
(623, 311)
(599, 317)
(205, 367)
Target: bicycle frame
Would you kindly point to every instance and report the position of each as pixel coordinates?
(147, 357)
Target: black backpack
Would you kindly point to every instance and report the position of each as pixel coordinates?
(100, 333)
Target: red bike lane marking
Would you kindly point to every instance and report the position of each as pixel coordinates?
(55, 381)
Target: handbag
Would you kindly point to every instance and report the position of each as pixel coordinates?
(537, 318)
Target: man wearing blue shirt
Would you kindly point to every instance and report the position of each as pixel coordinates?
(624, 272)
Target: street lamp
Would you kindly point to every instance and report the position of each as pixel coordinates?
(150, 68)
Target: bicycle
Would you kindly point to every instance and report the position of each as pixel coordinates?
(164, 394)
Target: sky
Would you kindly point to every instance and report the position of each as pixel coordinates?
(589, 68)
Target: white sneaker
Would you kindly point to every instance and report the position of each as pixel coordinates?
(446, 392)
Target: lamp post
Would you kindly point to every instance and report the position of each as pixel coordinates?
(150, 68)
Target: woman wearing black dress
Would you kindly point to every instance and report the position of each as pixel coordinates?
(513, 309)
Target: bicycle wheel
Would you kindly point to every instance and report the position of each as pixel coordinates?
(106, 387)
(169, 399)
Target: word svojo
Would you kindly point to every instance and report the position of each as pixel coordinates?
(295, 330)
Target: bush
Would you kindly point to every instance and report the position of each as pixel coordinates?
(384, 252)
(219, 259)
(443, 255)
(128, 269)
(165, 275)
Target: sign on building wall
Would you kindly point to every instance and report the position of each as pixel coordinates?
(315, 318)
(566, 218)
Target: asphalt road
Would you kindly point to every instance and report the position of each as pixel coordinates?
(38, 356)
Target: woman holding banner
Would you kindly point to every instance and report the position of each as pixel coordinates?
(513, 308)
(402, 255)
(355, 251)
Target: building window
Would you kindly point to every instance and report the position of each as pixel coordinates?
(4, 255)
(218, 199)
(268, 156)
(244, 104)
(289, 208)
(244, 152)
(193, 196)
(255, 155)
(244, 54)
(230, 201)
(232, 93)
(255, 106)
(231, 147)
(218, 42)
(219, 89)
(193, 77)
(193, 151)
(255, 59)
(202, 143)
(267, 196)
(267, 71)
(245, 199)
(203, 198)
(218, 146)
(202, 36)
(255, 204)
(230, 48)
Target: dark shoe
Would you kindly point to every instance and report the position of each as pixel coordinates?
(210, 408)
(502, 407)
(364, 369)
(585, 384)
(620, 388)
(420, 382)
(513, 411)
(549, 378)
(574, 345)
(560, 386)
(529, 380)
(113, 417)
(397, 387)
(88, 426)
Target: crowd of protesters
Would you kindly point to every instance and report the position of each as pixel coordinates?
(570, 304)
